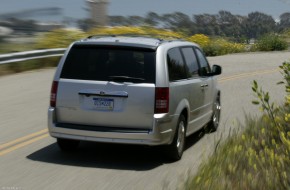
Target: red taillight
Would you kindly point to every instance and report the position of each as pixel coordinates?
(161, 100)
(53, 93)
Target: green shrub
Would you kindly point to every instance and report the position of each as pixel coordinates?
(271, 42)
(256, 159)
(8, 47)
(132, 30)
(259, 158)
(221, 47)
(59, 38)
(21, 66)
(200, 39)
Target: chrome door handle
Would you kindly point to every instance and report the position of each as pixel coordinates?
(204, 85)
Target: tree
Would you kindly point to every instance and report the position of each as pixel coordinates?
(118, 21)
(284, 21)
(230, 24)
(21, 26)
(177, 21)
(135, 20)
(206, 24)
(152, 19)
(85, 24)
(258, 24)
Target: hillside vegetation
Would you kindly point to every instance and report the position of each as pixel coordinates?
(259, 157)
(62, 38)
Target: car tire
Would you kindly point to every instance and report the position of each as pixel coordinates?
(176, 148)
(215, 120)
(67, 144)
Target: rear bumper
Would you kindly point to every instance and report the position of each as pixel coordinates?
(161, 133)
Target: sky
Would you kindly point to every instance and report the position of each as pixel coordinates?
(75, 8)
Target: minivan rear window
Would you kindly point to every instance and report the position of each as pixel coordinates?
(110, 63)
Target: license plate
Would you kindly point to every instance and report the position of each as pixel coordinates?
(103, 103)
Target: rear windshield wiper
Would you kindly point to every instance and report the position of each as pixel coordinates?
(125, 78)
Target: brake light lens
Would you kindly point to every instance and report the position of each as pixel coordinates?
(53, 94)
(161, 100)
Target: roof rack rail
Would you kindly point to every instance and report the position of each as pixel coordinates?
(101, 36)
(152, 36)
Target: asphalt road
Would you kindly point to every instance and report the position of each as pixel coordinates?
(30, 159)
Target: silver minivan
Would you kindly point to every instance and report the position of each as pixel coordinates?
(133, 90)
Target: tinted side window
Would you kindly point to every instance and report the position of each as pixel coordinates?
(190, 60)
(204, 66)
(176, 67)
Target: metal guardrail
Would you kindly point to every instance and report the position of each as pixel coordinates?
(29, 55)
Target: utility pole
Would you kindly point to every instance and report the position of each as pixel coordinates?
(98, 11)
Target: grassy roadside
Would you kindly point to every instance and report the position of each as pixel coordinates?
(20, 44)
(23, 66)
(259, 157)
